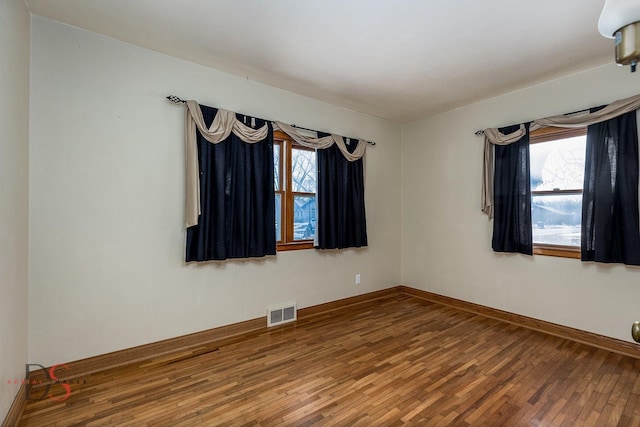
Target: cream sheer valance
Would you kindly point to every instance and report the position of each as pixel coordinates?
(492, 136)
(222, 126)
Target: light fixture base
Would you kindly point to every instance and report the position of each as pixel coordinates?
(635, 331)
(627, 41)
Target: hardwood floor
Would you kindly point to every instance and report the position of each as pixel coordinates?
(398, 361)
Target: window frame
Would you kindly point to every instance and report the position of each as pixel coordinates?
(548, 134)
(287, 195)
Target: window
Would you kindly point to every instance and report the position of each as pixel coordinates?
(557, 158)
(295, 175)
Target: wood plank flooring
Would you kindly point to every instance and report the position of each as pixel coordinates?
(396, 361)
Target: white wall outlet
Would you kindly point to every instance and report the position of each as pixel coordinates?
(358, 279)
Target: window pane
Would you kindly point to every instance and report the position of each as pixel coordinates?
(558, 164)
(303, 172)
(276, 167)
(304, 217)
(278, 217)
(556, 219)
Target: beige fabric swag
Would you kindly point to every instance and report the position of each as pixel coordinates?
(223, 124)
(492, 136)
(325, 142)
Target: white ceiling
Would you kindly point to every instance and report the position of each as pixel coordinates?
(400, 60)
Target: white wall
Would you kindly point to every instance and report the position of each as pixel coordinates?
(14, 197)
(446, 240)
(106, 268)
(107, 176)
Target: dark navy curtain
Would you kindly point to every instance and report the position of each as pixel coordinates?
(512, 230)
(610, 231)
(341, 212)
(236, 196)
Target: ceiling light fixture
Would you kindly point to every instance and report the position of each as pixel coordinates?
(620, 20)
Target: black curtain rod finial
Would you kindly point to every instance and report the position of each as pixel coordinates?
(175, 100)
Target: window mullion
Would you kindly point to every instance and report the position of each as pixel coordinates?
(554, 192)
(289, 193)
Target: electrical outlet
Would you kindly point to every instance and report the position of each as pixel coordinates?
(358, 279)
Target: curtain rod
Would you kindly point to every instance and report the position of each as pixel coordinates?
(177, 100)
(575, 113)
